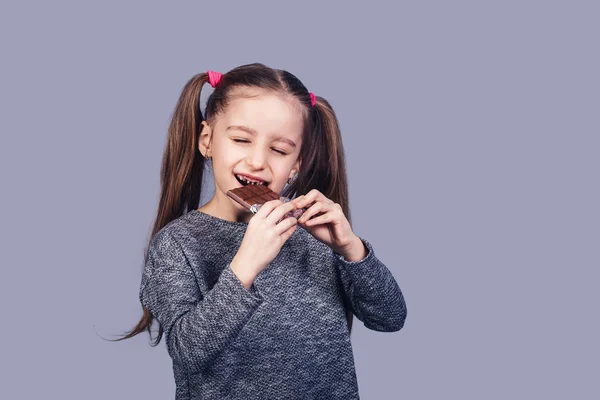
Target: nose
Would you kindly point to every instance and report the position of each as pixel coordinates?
(256, 159)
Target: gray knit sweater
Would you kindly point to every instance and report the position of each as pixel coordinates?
(284, 338)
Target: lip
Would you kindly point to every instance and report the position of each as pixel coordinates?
(256, 178)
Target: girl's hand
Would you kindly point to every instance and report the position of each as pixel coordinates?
(266, 233)
(325, 220)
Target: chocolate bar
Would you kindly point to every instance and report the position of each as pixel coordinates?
(252, 197)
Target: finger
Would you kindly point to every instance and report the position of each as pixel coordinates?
(321, 219)
(287, 234)
(310, 212)
(284, 225)
(279, 212)
(318, 196)
(306, 199)
(295, 200)
(299, 201)
(267, 207)
(313, 196)
(313, 210)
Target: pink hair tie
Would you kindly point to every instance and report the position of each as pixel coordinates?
(214, 78)
(313, 99)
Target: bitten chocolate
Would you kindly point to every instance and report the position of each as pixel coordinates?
(252, 197)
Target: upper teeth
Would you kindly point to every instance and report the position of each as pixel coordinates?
(250, 181)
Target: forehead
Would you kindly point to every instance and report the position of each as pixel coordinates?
(267, 113)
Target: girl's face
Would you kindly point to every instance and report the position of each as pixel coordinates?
(258, 137)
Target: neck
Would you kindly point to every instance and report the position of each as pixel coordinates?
(225, 209)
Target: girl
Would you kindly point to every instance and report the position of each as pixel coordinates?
(253, 308)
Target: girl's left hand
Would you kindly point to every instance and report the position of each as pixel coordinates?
(331, 227)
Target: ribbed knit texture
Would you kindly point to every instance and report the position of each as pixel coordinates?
(285, 338)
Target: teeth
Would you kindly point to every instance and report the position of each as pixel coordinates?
(249, 181)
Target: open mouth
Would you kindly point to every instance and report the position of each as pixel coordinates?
(244, 182)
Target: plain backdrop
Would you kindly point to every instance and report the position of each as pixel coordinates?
(471, 131)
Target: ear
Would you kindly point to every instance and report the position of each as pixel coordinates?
(295, 169)
(204, 141)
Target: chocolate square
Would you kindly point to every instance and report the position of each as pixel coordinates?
(252, 194)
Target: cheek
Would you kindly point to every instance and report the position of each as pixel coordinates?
(230, 153)
(282, 171)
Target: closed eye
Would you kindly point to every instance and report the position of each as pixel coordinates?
(247, 141)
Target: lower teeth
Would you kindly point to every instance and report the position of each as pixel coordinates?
(244, 183)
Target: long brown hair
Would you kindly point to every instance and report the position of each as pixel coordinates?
(322, 153)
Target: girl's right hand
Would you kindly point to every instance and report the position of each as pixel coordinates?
(264, 236)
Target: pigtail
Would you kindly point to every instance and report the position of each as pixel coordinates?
(329, 129)
(325, 163)
(182, 164)
(180, 175)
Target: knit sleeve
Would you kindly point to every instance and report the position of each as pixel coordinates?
(370, 290)
(198, 326)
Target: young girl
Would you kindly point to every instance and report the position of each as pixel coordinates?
(253, 308)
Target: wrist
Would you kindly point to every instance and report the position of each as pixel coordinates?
(355, 251)
(245, 275)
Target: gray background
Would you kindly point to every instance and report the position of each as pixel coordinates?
(480, 119)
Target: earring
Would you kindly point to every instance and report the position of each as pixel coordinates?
(292, 179)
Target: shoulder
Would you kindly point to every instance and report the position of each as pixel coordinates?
(174, 235)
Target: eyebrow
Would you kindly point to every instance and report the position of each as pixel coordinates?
(254, 133)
